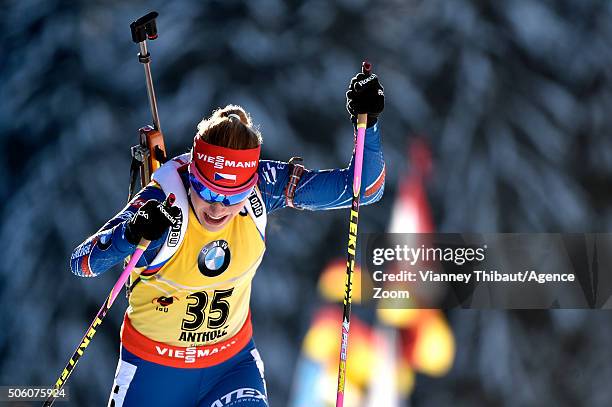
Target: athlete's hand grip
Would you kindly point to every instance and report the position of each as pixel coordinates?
(365, 95)
(151, 220)
(366, 69)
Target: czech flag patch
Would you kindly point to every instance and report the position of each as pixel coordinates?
(225, 177)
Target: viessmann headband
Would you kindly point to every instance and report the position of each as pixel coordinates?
(224, 170)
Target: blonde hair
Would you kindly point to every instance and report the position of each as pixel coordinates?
(230, 127)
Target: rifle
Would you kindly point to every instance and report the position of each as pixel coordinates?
(150, 152)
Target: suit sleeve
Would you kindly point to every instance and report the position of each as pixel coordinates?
(108, 246)
(325, 189)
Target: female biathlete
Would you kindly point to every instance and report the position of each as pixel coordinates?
(187, 336)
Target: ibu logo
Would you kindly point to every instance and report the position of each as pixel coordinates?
(214, 258)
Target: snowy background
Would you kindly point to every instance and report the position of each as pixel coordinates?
(514, 98)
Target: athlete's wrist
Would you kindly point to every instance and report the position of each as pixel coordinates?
(373, 138)
(120, 241)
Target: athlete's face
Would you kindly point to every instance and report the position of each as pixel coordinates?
(213, 216)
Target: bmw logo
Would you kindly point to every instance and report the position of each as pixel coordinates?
(214, 258)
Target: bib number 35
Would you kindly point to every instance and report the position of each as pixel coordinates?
(217, 312)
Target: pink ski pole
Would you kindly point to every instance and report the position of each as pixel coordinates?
(91, 331)
(362, 120)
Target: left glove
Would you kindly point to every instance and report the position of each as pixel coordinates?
(151, 221)
(365, 95)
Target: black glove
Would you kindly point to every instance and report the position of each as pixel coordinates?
(365, 95)
(151, 221)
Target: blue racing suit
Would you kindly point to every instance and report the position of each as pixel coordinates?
(238, 380)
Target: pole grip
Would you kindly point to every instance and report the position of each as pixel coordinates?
(366, 68)
(362, 123)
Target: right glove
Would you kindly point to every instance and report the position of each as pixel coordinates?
(365, 95)
(151, 221)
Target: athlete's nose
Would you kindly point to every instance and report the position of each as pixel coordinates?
(216, 209)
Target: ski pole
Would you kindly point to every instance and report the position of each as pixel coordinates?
(91, 331)
(362, 120)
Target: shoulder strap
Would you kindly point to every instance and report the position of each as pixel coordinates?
(169, 179)
(257, 211)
